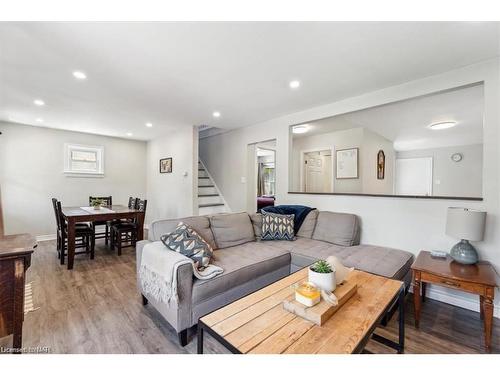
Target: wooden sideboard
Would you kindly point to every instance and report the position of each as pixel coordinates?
(15, 258)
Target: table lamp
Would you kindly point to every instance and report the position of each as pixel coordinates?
(467, 225)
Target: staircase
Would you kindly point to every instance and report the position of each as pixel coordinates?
(210, 201)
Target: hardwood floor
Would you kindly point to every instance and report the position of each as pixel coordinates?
(95, 308)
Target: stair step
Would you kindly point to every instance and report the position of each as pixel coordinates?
(211, 205)
(205, 178)
(208, 195)
(204, 186)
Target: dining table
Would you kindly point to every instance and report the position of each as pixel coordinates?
(73, 215)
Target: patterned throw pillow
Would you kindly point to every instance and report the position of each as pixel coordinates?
(277, 227)
(186, 241)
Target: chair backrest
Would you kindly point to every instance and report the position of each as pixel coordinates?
(56, 213)
(108, 201)
(132, 202)
(141, 204)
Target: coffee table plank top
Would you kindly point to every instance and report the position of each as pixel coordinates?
(481, 272)
(258, 323)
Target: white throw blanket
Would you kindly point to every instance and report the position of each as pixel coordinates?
(158, 271)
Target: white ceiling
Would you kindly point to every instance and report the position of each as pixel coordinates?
(406, 123)
(177, 74)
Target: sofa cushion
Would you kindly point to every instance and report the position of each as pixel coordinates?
(241, 264)
(337, 228)
(200, 224)
(307, 228)
(276, 227)
(256, 219)
(379, 260)
(231, 229)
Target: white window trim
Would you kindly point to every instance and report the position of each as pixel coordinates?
(68, 147)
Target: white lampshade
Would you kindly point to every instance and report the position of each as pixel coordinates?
(465, 224)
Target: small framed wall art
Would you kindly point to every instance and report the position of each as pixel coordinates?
(380, 165)
(166, 165)
(347, 163)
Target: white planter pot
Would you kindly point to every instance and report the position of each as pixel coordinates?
(324, 281)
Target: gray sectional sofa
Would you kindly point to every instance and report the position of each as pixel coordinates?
(250, 264)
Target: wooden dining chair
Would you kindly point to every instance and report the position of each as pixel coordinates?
(84, 235)
(126, 232)
(108, 201)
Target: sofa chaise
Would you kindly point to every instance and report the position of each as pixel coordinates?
(250, 264)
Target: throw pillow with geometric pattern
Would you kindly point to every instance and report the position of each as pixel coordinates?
(277, 227)
(187, 241)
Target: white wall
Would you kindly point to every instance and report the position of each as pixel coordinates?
(172, 195)
(462, 179)
(410, 224)
(31, 173)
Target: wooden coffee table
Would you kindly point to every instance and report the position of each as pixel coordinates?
(258, 323)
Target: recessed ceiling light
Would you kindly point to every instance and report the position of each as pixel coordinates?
(300, 129)
(130, 134)
(39, 120)
(216, 114)
(294, 84)
(149, 125)
(442, 125)
(79, 75)
(39, 102)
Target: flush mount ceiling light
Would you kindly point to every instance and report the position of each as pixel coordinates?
(79, 75)
(216, 114)
(442, 125)
(39, 102)
(149, 125)
(300, 129)
(294, 84)
(130, 134)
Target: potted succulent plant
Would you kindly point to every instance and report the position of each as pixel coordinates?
(97, 203)
(322, 275)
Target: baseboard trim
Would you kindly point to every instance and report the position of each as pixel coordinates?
(45, 237)
(453, 298)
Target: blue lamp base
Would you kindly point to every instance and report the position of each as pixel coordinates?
(464, 253)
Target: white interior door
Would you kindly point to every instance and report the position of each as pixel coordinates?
(414, 176)
(318, 172)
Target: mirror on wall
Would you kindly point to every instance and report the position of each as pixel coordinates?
(429, 146)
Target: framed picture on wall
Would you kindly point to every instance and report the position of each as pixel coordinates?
(166, 165)
(347, 163)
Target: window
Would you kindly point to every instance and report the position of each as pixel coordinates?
(83, 160)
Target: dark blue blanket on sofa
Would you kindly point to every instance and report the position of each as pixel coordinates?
(300, 213)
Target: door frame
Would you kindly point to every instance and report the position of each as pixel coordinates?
(302, 159)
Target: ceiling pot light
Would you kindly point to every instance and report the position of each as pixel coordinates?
(442, 125)
(216, 114)
(294, 84)
(149, 125)
(79, 75)
(130, 134)
(300, 129)
(39, 120)
(39, 102)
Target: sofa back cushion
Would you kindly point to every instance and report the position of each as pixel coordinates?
(337, 228)
(231, 229)
(200, 224)
(307, 228)
(256, 219)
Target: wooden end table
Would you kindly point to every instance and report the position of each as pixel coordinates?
(479, 278)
